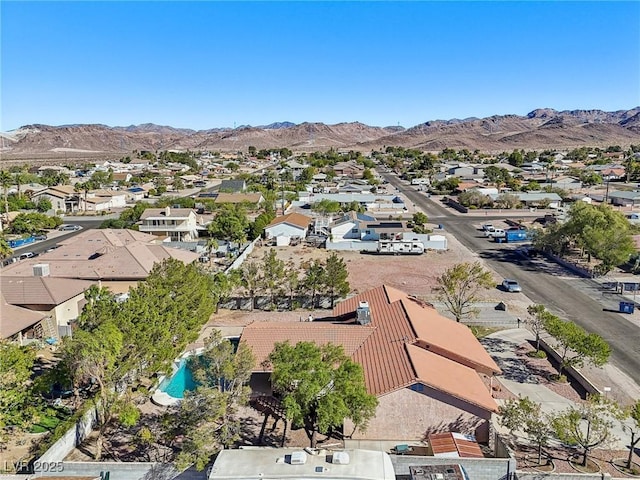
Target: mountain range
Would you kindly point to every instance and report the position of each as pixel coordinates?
(540, 129)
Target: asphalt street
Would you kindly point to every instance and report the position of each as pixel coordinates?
(578, 300)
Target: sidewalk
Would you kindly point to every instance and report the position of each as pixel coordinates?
(520, 381)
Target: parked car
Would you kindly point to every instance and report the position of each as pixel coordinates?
(40, 237)
(26, 255)
(487, 226)
(511, 286)
(69, 228)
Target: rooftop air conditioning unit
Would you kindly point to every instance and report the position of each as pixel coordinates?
(41, 270)
(298, 458)
(340, 458)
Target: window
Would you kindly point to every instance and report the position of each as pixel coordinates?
(355, 230)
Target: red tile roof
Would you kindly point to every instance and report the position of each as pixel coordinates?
(262, 336)
(407, 342)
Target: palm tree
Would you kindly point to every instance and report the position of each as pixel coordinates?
(83, 187)
(6, 180)
(18, 179)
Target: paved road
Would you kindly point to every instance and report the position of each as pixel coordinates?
(578, 300)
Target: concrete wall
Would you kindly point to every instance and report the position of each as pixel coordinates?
(74, 437)
(237, 263)
(545, 344)
(117, 470)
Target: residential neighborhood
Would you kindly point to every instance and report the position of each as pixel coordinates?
(348, 311)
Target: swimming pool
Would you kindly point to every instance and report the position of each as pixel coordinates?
(181, 381)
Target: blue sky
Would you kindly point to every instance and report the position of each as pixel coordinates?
(219, 64)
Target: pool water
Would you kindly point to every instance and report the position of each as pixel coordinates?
(181, 381)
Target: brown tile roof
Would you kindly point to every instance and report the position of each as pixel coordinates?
(451, 444)
(391, 349)
(262, 336)
(296, 219)
(15, 319)
(450, 377)
(401, 320)
(238, 198)
(41, 290)
(103, 254)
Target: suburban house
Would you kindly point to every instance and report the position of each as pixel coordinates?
(624, 198)
(121, 177)
(179, 224)
(429, 373)
(536, 199)
(608, 172)
(464, 170)
(295, 168)
(102, 200)
(117, 259)
(60, 299)
(290, 225)
(371, 201)
(136, 194)
(296, 464)
(63, 198)
(565, 183)
(350, 168)
(20, 324)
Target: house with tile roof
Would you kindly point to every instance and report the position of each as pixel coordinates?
(117, 259)
(429, 373)
(62, 197)
(289, 225)
(19, 324)
(60, 299)
(179, 224)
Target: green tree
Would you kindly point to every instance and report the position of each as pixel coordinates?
(44, 205)
(16, 399)
(251, 280)
(320, 386)
(326, 207)
(587, 424)
(574, 345)
(231, 223)
(314, 279)
(5, 249)
(335, 277)
(458, 287)
(92, 358)
(536, 322)
(527, 416)
(273, 275)
(633, 414)
(516, 159)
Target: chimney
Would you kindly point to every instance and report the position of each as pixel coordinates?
(41, 270)
(167, 211)
(363, 314)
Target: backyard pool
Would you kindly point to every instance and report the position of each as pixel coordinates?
(181, 381)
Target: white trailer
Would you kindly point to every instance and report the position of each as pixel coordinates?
(399, 247)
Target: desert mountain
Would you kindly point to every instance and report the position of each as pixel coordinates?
(541, 128)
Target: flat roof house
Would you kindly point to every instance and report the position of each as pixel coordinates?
(296, 464)
(430, 373)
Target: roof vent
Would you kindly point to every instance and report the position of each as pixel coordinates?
(298, 458)
(340, 458)
(41, 270)
(363, 314)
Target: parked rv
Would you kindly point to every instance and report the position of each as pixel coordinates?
(395, 247)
